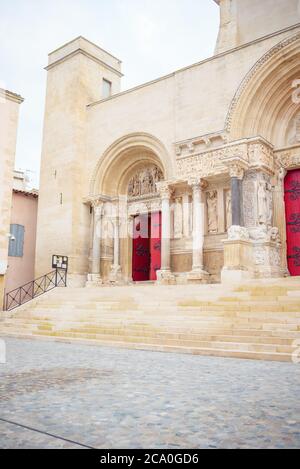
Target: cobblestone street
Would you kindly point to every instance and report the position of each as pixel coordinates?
(114, 398)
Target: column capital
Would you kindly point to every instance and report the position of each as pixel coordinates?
(237, 170)
(164, 190)
(198, 183)
(282, 172)
(97, 206)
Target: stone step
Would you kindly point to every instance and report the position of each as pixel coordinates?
(250, 355)
(245, 347)
(177, 321)
(129, 331)
(148, 329)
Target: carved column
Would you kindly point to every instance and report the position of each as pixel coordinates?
(165, 275)
(238, 247)
(115, 275)
(237, 176)
(279, 217)
(94, 277)
(198, 273)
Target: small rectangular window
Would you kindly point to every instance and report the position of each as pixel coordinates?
(16, 241)
(106, 89)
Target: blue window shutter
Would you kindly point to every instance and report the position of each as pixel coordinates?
(16, 246)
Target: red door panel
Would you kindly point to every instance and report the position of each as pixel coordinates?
(141, 249)
(292, 209)
(155, 245)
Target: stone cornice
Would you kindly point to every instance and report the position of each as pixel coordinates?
(197, 64)
(11, 96)
(86, 54)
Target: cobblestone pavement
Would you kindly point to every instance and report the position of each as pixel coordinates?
(115, 398)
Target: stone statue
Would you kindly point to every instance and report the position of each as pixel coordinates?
(269, 195)
(212, 200)
(228, 209)
(262, 203)
(144, 182)
(107, 237)
(178, 219)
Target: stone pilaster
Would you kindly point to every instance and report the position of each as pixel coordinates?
(198, 274)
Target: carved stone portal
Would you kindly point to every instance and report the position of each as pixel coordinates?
(144, 182)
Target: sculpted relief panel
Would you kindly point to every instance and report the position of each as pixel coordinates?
(144, 182)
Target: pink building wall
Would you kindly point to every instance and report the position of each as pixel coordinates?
(24, 212)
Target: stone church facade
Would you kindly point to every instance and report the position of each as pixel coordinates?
(193, 177)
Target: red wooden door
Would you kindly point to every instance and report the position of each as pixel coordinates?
(155, 245)
(292, 209)
(141, 249)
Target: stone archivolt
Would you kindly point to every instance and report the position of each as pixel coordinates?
(288, 158)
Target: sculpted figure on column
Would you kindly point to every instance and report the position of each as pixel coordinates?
(212, 200)
(178, 219)
(262, 202)
(228, 209)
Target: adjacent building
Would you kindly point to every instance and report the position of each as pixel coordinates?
(21, 249)
(9, 113)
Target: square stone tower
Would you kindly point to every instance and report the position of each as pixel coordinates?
(78, 73)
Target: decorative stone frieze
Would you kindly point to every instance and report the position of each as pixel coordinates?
(238, 233)
(236, 158)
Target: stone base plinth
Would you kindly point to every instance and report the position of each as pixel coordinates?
(198, 276)
(238, 264)
(165, 277)
(231, 277)
(115, 276)
(267, 260)
(93, 281)
(76, 280)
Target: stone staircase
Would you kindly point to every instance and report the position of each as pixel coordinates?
(257, 320)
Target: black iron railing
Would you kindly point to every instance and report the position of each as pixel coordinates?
(35, 288)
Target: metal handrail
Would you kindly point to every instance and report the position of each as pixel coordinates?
(35, 288)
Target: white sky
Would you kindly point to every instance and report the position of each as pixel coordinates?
(151, 37)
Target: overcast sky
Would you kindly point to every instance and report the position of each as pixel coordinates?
(151, 37)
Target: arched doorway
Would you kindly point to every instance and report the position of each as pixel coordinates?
(146, 250)
(125, 180)
(292, 209)
(146, 243)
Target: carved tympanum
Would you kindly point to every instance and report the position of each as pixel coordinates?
(144, 181)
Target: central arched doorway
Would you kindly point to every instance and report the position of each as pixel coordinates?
(146, 242)
(126, 180)
(292, 210)
(146, 249)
